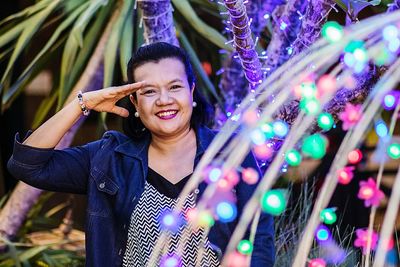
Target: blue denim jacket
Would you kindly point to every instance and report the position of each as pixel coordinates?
(112, 172)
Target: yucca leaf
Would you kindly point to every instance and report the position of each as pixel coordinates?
(18, 86)
(126, 44)
(50, 44)
(110, 52)
(32, 252)
(27, 11)
(197, 65)
(202, 28)
(89, 42)
(44, 109)
(31, 28)
(83, 20)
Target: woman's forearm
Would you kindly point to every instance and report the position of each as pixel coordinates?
(50, 133)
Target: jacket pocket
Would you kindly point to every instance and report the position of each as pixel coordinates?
(103, 182)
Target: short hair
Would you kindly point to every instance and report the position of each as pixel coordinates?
(202, 114)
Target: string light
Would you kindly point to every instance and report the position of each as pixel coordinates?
(245, 247)
(322, 234)
(345, 175)
(268, 130)
(171, 261)
(381, 129)
(317, 263)
(354, 156)
(280, 128)
(315, 146)
(328, 216)
(250, 176)
(394, 151)
(325, 121)
(293, 157)
(226, 211)
(170, 221)
(273, 202)
(332, 31)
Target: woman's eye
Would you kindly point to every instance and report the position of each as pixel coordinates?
(148, 92)
(175, 87)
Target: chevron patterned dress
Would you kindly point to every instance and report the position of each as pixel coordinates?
(144, 228)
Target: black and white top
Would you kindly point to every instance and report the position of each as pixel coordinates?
(159, 194)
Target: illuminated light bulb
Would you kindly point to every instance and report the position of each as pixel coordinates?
(232, 176)
(250, 176)
(205, 219)
(170, 261)
(394, 151)
(370, 193)
(268, 130)
(297, 90)
(325, 121)
(390, 32)
(349, 60)
(170, 221)
(257, 137)
(317, 263)
(263, 151)
(353, 46)
(315, 146)
(226, 211)
(354, 156)
(322, 234)
(326, 84)
(191, 215)
(389, 101)
(280, 128)
(394, 45)
(345, 175)
(236, 259)
(381, 129)
(273, 202)
(212, 174)
(311, 106)
(250, 117)
(332, 31)
(293, 157)
(224, 185)
(328, 216)
(308, 90)
(245, 247)
(360, 54)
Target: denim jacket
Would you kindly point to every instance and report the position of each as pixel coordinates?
(112, 172)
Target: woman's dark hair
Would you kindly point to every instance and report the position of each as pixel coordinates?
(202, 113)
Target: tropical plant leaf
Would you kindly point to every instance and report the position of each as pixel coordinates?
(18, 86)
(32, 252)
(126, 44)
(74, 70)
(110, 52)
(44, 109)
(201, 27)
(354, 7)
(29, 30)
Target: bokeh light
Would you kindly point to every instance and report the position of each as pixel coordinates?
(354, 156)
(280, 128)
(245, 247)
(325, 121)
(322, 233)
(332, 31)
(273, 202)
(315, 146)
(226, 211)
(394, 151)
(328, 216)
(172, 260)
(293, 157)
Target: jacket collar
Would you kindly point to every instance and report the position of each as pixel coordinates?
(138, 149)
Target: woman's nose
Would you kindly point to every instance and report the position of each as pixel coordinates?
(164, 98)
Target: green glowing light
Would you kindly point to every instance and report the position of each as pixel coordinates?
(394, 151)
(353, 46)
(325, 121)
(245, 247)
(310, 105)
(332, 31)
(268, 130)
(328, 216)
(315, 146)
(293, 157)
(273, 202)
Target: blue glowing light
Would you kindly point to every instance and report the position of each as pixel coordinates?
(257, 137)
(226, 211)
(215, 174)
(390, 32)
(389, 101)
(280, 128)
(381, 129)
(322, 233)
(170, 221)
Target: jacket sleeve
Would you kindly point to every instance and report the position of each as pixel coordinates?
(263, 247)
(65, 170)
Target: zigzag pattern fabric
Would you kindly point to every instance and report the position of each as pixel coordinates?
(144, 231)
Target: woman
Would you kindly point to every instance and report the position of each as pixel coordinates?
(130, 178)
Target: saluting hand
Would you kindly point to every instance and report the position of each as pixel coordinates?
(104, 100)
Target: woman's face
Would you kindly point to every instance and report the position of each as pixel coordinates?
(165, 104)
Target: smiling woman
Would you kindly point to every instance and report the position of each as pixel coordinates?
(133, 179)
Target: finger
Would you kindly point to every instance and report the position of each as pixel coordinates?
(130, 88)
(120, 111)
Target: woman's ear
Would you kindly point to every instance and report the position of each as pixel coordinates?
(133, 101)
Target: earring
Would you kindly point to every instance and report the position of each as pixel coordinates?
(194, 104)
(137, 114)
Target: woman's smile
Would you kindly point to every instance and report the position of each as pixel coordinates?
(167, 114)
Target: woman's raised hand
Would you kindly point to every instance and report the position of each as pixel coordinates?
(104, 100)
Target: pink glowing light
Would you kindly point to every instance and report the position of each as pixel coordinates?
(345, 175)
(362, 240)
(317, 263)
(250, 176)
(350, 116)
(370, 193)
